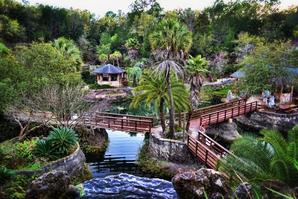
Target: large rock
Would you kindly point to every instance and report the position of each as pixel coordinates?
(225, 131)
(243, 191)
(195, 184)
(268, 120)
(55, 184)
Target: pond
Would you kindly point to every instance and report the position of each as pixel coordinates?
(116, 173)
(120, 156)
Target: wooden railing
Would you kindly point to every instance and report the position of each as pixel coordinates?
(224, 114)
(120, 122)
(205, 148)
(210, 109)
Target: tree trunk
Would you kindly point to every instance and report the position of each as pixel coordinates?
(171, 109)
(189, 114)
(161, 115)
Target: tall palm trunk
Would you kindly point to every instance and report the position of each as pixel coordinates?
(171, 109)
(162, 115)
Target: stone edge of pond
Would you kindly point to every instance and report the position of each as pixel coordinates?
(170, 150)
(70, 164)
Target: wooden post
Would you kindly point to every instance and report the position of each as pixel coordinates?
(206, 157)
(232, 112)
(196, 147)
(225, 115)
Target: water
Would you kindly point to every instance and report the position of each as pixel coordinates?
(120, 156)
(117, 175)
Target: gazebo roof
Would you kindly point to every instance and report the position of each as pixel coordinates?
(108, 69)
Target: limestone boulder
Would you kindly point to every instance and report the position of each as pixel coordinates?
(243, 191)
(54, 184)
(197, 184)
(227, 131)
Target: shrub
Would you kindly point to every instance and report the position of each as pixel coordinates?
(25, 148)
(61, 141)
(42, 149)
(5, 174)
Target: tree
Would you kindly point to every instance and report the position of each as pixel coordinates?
(53, 105)
(170, 43)
(267, 159)
(196, 70)
(116, 56)
(266, 67)
(152, 90)
(134, 74)
(69, 49)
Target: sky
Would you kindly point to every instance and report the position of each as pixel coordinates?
(100, 7)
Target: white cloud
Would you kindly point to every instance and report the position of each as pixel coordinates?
(100, 7)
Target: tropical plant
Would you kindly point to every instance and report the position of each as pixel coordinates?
(134, 74)
(152, 90)
(62, 140)
(270, 158)
(24, 149)
(115, 56)
(68, 48)
(43, 149)
(196, 69)
(170, 42)
(5, 174)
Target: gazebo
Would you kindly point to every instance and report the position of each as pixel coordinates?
(109, 75)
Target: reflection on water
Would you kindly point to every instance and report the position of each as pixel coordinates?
(120, 156)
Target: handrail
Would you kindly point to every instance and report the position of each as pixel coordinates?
(125, 115)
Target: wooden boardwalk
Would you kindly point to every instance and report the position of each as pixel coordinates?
(205, 148)
(202, 147)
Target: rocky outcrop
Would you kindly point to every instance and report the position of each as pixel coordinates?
(197, 184)
(170, 150)
(128, 186)
(243, 191)
(226, 132)
(55, 184)
(269, 120)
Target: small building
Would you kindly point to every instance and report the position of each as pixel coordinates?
(109, 75)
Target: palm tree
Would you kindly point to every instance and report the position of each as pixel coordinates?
(134, 74)
(271, 158)
(116, 56)
(196, 69)
(170, 42)
(68, 48)
(152, 90)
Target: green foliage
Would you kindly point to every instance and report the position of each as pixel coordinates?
(265, 67)
(215, 94)
(25, 148)
(269, 158)
(172, 36)
(134, 74)
(152, 89)
(62, 141)
(5, 174)
(43, 149)
(69, 49)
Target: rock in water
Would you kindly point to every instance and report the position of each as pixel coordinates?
(195, 184)
(128, 186)
(54, 184)
(226, 131)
